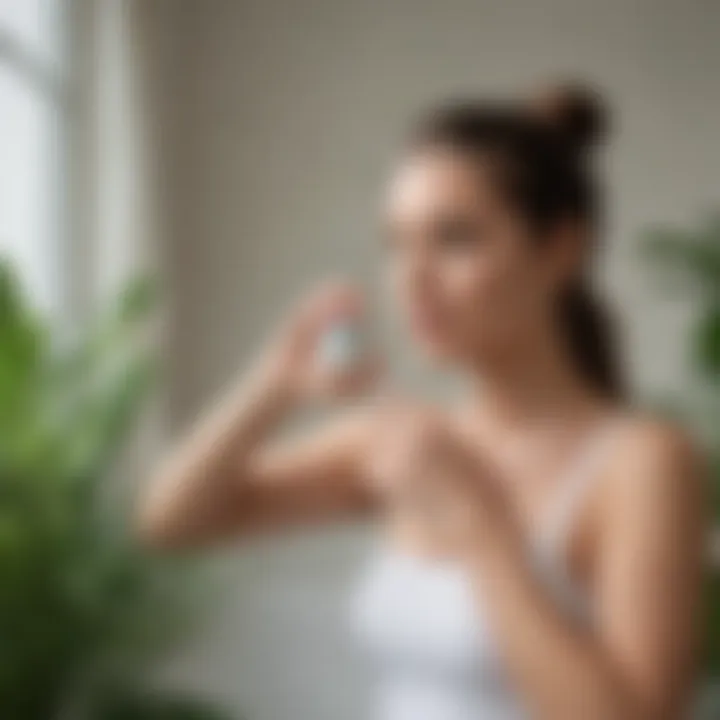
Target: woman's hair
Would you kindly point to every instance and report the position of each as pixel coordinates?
(541, 156)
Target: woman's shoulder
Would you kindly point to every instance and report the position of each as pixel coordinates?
(657, 462)
(650, 439)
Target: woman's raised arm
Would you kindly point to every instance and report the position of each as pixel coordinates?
(228, 476)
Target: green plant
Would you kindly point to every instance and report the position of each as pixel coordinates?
(687, 261)
(84, 612)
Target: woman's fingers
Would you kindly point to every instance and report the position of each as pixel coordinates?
(296, 355)
(331, 300)
(421, 465)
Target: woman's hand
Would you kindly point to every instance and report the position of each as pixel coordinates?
(293, 359)
(423, 465)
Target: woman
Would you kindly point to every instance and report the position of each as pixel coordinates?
(543, 543)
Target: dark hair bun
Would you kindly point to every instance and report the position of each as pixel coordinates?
(578, 111)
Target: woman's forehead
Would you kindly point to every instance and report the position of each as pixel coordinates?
(437, 180)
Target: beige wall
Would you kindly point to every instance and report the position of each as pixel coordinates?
(279, 118)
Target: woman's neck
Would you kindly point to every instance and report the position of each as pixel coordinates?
(536, 384)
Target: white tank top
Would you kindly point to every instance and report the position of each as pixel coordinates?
(431, 649)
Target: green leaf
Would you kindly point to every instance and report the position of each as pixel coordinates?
(712, 636)
(154, 706)
(685, 259)
(138, 299)
(24, 342)
(81, 606)
(709, 231)
(707, 343)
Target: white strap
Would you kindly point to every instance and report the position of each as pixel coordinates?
(556, 523)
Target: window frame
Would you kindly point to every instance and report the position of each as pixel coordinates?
(52, 79)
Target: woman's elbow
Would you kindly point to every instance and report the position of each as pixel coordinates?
(180, 521)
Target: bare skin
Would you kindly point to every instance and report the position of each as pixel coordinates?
(470, 483)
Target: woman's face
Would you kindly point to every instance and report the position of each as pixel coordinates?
(468, 277)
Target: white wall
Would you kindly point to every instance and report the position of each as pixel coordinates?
(279, 121)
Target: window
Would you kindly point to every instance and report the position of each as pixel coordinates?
(32, 106)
